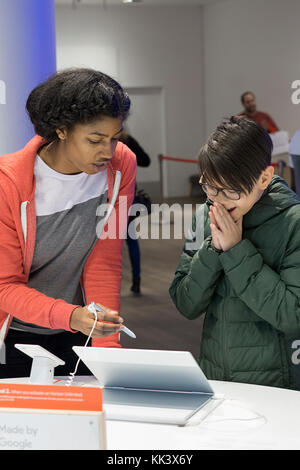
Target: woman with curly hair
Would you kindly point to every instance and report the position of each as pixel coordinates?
(53, 259)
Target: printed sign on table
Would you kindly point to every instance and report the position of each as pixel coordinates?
(51, 417)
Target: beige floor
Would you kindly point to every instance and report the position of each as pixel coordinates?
(153, 316)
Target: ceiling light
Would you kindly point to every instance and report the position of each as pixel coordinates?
(132, 1)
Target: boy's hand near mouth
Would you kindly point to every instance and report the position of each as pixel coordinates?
(226, 233)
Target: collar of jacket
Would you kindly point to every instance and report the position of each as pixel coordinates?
(277, 198)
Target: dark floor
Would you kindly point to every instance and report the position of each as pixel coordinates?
(152, 316)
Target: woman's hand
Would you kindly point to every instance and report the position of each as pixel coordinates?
(226, 233)
(108, 322)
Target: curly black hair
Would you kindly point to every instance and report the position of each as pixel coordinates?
(75, 96)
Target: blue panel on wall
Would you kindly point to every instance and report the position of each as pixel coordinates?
(27, 57)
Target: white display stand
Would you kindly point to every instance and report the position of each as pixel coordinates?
(43, 363)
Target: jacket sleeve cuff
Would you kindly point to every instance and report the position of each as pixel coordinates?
(60, 315)
(233, 257)
(206, 260)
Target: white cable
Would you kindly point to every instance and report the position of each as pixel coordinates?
(257, 417)
(72, 374)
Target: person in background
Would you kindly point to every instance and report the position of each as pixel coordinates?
(53, 261)
(245, 275)
(143, 160)
(248, 100)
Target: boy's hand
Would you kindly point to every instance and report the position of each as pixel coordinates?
(225, 230)
(214, 234)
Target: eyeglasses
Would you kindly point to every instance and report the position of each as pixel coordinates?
(232, 194)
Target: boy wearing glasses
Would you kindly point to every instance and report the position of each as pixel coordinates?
(246, 274)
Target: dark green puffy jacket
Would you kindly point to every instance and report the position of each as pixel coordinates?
(250, 294)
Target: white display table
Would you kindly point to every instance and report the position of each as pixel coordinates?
(248, 417)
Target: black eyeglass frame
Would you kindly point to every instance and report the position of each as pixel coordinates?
(218, 190)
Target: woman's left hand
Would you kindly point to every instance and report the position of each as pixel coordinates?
(228, 232)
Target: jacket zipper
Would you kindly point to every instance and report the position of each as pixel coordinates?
(226, 376)
(27, 265)
(5, 326)
(286, 370)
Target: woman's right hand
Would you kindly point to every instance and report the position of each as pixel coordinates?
(108, 322)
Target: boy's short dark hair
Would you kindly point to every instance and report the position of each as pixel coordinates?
(75, 96)
(235, 154)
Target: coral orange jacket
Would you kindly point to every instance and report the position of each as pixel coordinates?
(101, 276)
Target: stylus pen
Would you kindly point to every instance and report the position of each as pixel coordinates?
(124, 328)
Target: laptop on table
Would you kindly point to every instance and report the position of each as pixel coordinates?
(148, 385)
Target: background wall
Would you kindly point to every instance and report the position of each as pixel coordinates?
(195, 62)
(252, 45)
(158, 49)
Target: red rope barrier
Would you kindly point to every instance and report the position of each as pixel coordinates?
(188, 160)
(173, 159)
(183, 160)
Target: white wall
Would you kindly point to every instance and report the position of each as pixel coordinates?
(150, 47)
(252, 45)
